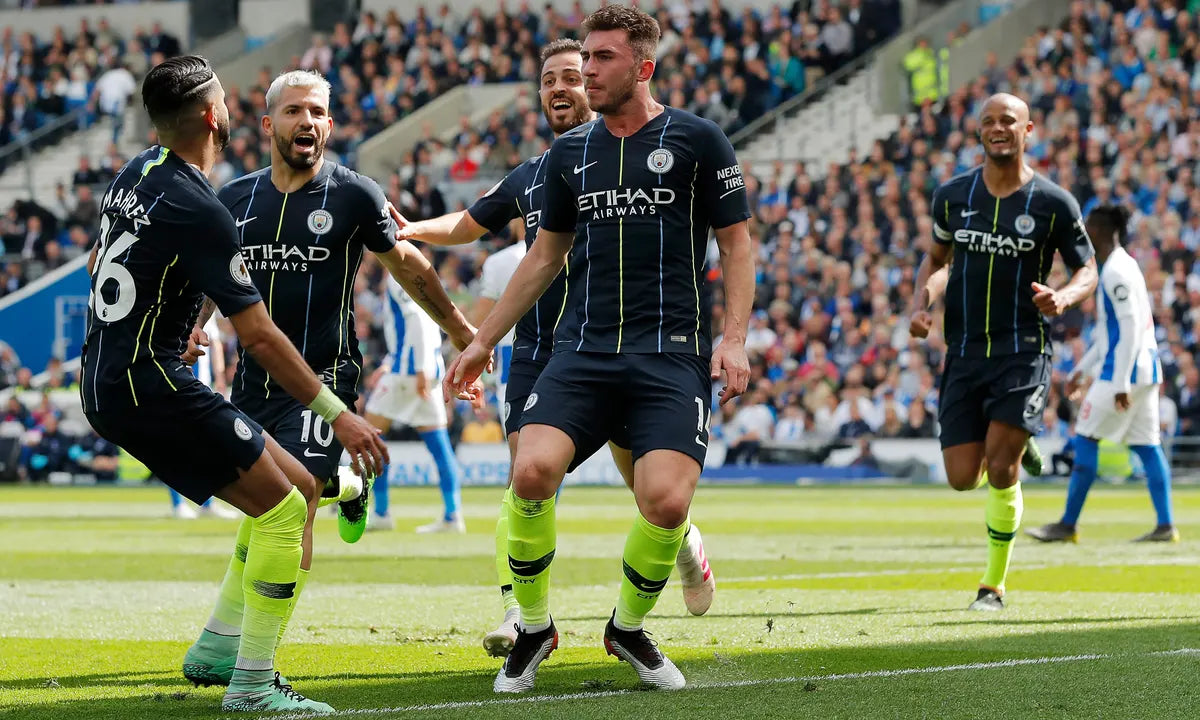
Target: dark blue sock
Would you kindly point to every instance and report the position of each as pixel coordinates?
(380, 488)
(438, 442)
(1082, 477)
(1158, 479)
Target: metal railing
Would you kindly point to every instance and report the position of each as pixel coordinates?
(22, 150)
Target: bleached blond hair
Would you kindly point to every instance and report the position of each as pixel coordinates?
(295, 78)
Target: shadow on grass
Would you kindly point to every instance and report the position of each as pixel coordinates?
(1165, 686)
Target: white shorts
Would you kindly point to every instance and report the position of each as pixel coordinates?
(1099, 419)
(395, 397)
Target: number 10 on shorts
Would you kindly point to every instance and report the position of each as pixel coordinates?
(311, 422)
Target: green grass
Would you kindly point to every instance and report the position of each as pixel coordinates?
(820, 589)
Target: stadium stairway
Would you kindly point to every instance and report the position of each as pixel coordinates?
(56, 163)
(825, 131)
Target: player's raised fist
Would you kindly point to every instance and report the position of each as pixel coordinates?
(1048, 300)
(920, 323)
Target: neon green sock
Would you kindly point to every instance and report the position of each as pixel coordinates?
(1003, 517)
(649, 557)
(503, 574)
(223, 629)
(268, 585)
(531, 540)
(301, 581)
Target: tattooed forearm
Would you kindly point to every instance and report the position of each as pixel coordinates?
(422, 297)
(206, 311)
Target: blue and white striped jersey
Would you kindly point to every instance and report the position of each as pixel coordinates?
(1124, 351)
(414, 340)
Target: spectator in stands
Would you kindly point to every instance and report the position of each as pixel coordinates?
(33, 240)
(482, 427)
(791, 427)
(24, 381)
(86, 174)
(837, 40)
(9, 363)
(319, 56)
(111, 95)
(48, 449)
(160, 41)
(14, 411)
(753, 424)
(12, 278)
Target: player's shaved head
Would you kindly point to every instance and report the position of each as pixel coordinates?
(1007, 101)
(1003, 125)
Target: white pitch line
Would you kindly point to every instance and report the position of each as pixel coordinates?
(935, 669)
(1141, 562)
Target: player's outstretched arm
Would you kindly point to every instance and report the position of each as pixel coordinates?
(737, 270)
(418, 278)
(276, 353)
(456, 228)
(539, 267)
(930, 284)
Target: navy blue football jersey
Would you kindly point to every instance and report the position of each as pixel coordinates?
(303, 250)
(164, 243)
(641, 208)
(1001, 247)
(519, 195)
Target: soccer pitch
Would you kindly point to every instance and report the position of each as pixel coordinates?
(831, 603)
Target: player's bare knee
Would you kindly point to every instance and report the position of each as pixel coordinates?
(535, 478)
(668, 513)
(963, 481)
(664, 506)
(1002, 471)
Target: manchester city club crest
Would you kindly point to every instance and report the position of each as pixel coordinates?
(660, 161)
(1024, 224)
(320, 221)
(237, 268)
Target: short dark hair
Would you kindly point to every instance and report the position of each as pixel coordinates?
(1110, 219)
(560, 46)
(642, 29)
(175, 85)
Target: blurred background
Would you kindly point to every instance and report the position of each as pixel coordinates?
(845, 115)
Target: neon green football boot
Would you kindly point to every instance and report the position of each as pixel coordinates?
(352, 513)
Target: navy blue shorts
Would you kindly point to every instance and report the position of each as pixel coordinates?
(298, 430)
(641, 402)
(193, 440)
(1010, 389)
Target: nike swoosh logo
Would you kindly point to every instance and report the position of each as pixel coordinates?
(520, 565)
(701, 443)
(529, 190)
(585, 167)
(969, 213)
(239, 223)
(313, 454)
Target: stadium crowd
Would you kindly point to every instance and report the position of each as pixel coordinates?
(1115, 94)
